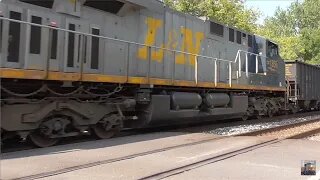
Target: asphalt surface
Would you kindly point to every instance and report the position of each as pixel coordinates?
(93, 160)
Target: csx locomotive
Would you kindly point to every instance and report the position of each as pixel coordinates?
(84, 66)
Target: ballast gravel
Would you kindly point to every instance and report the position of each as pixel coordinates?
(234, 130)
(314, 138)
(293, 131)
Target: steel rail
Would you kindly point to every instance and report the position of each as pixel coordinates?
(112, 160)
(170, 172)
(306, 134)
(279, 128)
(217, 158)
(210, 160)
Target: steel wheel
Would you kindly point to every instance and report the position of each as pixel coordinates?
(286, 112)
(40, 140)
(101, 133)
(108, 127)
(293, 109)
(245, 117)
(270, 113)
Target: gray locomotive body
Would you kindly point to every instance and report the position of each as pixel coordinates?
(76, 66)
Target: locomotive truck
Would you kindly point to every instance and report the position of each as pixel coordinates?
(75, 67)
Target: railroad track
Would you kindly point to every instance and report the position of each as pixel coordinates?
(221, 157)
(213, 159)
(107, 161)
(171, 172)
(16, 146)
(313, 128)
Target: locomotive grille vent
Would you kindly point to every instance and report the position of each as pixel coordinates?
(42, 3)
(111, 6)
(216, 29)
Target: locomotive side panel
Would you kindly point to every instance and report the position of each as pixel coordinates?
(2, 37)
(106, 65)
(78, 57)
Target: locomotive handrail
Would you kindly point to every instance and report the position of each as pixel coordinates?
(238, 58)
(251, 53)
(197, 56)
(113, 39)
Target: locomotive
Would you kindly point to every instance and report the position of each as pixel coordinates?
(95, 67)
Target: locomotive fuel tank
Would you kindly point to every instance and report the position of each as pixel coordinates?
(217, 100)
(183, 100)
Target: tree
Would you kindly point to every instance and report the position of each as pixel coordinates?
(229, 12)
(310, 30)
(297, 30)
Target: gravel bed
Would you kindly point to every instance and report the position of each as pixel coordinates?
(314, 138)
(234, 130)
(293, 131)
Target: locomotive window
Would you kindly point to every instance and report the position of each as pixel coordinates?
(111, 6)
(238, 37)
(71, 37)
(244, 35)
(35, 36)
(250, 41)
(54, 44)
(95, 49)
(272, 49)
(42, 3)
(216, 29)
(14, 37)
(231, 35)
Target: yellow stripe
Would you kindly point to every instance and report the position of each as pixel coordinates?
(103, 78)
(185, 83)
(138, 80)
(21, 74)
(163, 82)
(223, 86)
(206, 84)
(60, 76)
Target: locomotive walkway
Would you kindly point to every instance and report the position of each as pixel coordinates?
(169, 155)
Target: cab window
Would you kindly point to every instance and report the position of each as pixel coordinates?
(272, 49)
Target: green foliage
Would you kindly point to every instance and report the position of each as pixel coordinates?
(297, 30)
(229, 12)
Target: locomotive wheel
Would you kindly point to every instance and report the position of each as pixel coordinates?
(293, 109)
(108, 127)
(248, 114)
(286, 112)
(40, 140)
(270, 113)
(259, 117)
(245, 117)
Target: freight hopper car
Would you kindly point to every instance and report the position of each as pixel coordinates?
(82, 66)
(303, 85)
